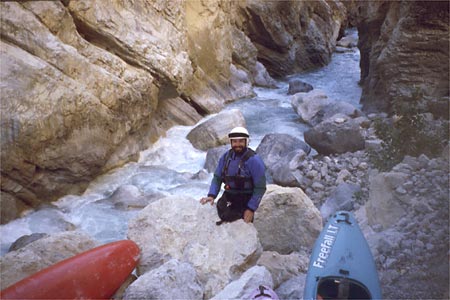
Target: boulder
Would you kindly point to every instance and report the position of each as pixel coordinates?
(293, 288)
(246, 284)
(172, 280)
(338, 134)
(384, 208)
(287, 220)
(298, 86)
(315, 107)
(213, 156)
(308, 105)
(285, 172)
(42, 253)
(179, 227)
(275, 146)
(214, 131)
(341, 198)
(284, 267)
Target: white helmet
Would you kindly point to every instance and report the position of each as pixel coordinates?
(239, 133)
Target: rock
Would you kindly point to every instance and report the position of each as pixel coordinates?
(348, 42)
(246, 284)
(275, 146)
(261, 77)
(283, 267)
(387, 34)
(341, 198)
(273, 28)
(25, 240)
(301, 221)
(285, 172)
(11, 206)
(172, 280)
(241, 85)
(329, 137)
(212, 157)
(383, 207)
(180, 227)
(339, 111)
(308, 105)
(293, 288)
(298, 86)
(42, 253)
(214, 131)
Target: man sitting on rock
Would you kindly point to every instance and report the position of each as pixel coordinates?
(243, 173)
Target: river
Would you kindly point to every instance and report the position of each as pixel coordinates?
(169, 165)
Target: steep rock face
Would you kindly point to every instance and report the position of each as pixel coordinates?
(404, 46)
(86, 85)
(292, 36)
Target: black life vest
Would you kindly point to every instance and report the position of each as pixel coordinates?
(238, 179)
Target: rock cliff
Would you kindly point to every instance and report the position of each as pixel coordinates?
(404, 46)
(86, 85)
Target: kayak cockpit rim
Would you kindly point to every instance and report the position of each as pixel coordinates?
(333, 287)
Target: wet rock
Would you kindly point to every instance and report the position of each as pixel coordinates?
(298, 86)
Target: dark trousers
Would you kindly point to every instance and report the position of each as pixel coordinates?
(231, 206)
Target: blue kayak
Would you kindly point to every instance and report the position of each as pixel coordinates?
(341, 265)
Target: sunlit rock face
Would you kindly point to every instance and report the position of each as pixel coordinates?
(404, 46)
(86, 85)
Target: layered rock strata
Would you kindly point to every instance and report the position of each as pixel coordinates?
(86, 85)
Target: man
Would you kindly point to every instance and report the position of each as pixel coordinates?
(243, 173)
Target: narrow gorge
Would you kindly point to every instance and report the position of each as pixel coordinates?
(87, 86)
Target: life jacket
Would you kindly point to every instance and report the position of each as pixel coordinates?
(238, 179)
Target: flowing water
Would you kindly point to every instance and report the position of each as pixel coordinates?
(168, 166)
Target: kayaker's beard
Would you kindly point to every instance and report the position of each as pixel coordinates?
(238, 149)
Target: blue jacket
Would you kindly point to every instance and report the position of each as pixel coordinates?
(253, 170)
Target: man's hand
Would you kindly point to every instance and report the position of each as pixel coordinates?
(205, 200)
(248, 216)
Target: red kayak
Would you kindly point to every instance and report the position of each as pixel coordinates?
(94, 274)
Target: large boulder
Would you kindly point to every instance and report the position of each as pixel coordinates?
(338, 134)
(214, 131)
(180, 227)
(315, 107)
(308, 105)
(287, 220)
(275, 146)
(42, 253)
(172, 280)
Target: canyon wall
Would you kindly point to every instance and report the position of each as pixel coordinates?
(87, 84)
(404, 48)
